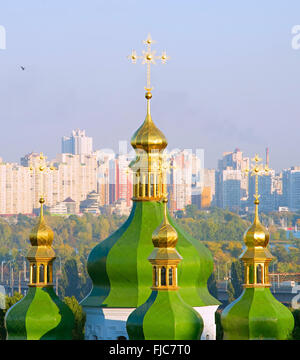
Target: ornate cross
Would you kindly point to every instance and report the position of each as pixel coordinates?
(148, 58)
(258, 169)
(42, 168)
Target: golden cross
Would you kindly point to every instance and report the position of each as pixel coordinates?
(42, 168)
(257, 170)
(148, 58)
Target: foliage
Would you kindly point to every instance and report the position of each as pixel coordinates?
(212, 286)
(79, 315)
(230, 292)
(219, 328)
(237, 277)
(296, 331)
(9, 301)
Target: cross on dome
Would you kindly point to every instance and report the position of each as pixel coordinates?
(148, 57)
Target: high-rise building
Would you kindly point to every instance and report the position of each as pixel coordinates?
(77, 176)
(16, 189)
(77, 144)
(228, 189)
(181, 178)
(234, 160)
(291, 188)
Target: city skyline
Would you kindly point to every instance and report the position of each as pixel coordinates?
(224, 73)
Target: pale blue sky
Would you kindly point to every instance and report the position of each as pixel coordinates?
(233, 79)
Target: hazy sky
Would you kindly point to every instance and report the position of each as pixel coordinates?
(233, 79)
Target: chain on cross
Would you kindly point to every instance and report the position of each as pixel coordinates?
(148, 58)
(42, 168)
(258, 169)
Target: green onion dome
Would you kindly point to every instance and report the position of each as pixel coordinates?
(256, 314)
(120, 274)
(40, 315)
(164, 316)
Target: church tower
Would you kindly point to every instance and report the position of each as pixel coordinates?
(40, 315)
(118, 268)
(164, 316)
(256, 314)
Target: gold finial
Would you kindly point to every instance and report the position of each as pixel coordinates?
(42, 168)
(257, 234)
(257, 170)
(148, 58)
(256, 256)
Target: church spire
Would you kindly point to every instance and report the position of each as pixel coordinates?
(256, 256)
(41, 255)
(256, 314)
(148, 141)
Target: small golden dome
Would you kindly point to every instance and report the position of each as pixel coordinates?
(148, 137)
(41, 234)
(256, 234)
(165, 236)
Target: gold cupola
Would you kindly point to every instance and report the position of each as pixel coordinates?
(41, 255)
(164, 258)
(256, 256)
(149, 178)
(256, 234)
(148, 137)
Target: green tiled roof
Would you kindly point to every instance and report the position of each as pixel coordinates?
(164, 316)
(255, 315)
(40, 315)
(122, 275)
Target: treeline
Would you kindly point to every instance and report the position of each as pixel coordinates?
(75, 236)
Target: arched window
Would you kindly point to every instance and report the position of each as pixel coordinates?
(259, 274)
(42, 273)
(171, 276)
(33, 280)
(163, 276)
(48, 273)
(155, 276)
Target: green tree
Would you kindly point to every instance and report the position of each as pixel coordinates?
(237, 277)
(9, 301)
(296, 331)
(230, 292)
(79, 316)
(69, 284)
(219, 328)
(212, 285)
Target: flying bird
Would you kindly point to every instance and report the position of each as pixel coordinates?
(22, 67)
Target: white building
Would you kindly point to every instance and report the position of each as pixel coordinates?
(77, 144)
